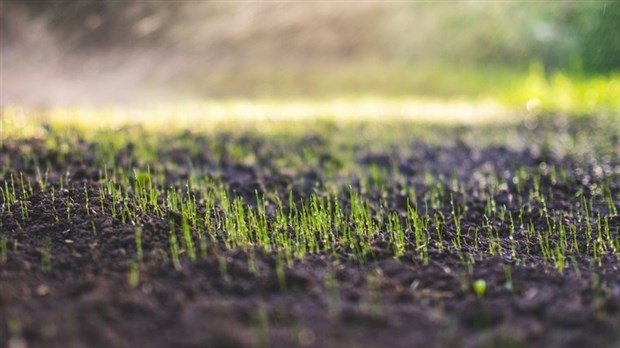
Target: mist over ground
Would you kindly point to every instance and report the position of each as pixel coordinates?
(100, 52)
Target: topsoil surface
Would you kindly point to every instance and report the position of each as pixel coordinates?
(81, 296)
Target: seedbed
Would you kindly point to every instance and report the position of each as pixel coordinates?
(312, 233)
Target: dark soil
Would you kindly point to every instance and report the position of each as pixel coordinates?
(81, 296)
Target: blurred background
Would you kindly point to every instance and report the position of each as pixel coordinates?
(98, 52)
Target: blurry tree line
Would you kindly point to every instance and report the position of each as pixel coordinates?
(582, 37)
(578, 36)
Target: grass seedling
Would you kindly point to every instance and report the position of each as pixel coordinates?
(9, 196)
(559, 258)
(68, 204)
(611, 206)
(457, 225)
(476, 240)
(189, 209)
(23, 207)
(227, 219)
(261, 226)
(138, 238)
(419, 226)
(604, 225)
(174, 248)
(536, 183)
(586, 217)
(187, 239)
(87, 204)
(439, 220)
(3, 250)
(480, 287)
(320, 223)
(26, 189)
(142, 186)
(493, 239)
(129, 209)
(53, 199)
(365, 229)
(543, 243)
(64, 180)
(133, 275)
(114, 202)
(397, 235)
(240, 232)
(562, 235)
(101, 199)
(42, 180)
(172, 199)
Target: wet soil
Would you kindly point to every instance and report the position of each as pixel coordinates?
(65, 275)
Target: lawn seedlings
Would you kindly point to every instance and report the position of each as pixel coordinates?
(397, 235)
(283, 200)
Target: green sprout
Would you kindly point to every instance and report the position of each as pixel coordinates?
(138, 238)
(133, 276)
(480, 287)
(3, 250)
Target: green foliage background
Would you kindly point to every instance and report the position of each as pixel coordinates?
(579, 36)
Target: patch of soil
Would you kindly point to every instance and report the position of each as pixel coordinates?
(69, 277)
